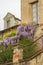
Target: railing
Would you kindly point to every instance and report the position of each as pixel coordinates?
(34, 50)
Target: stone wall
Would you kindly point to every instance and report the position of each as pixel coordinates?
(35, 59)
(38, 60)
(4, 33)
(26, 11)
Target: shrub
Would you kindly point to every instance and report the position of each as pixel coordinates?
(9, 34)
(24, 34)
(29, 48)
(7, 54)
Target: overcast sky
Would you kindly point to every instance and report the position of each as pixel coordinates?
(12, 6)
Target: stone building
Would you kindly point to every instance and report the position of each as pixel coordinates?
(32, 11)
(35, 59)
(10, 20)
(38, 60)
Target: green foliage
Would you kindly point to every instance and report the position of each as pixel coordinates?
(28, 51)
(26, 41)
(29, 48)
(7, 54)
(9, 34)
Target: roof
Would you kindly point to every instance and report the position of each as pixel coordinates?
(2, 31)
(11, 15)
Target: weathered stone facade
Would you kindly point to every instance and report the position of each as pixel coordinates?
(10, 20)
(37, 60)
(27, 14)
(26, 11)
(3, 33)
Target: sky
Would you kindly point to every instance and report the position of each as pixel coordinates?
(12, 6)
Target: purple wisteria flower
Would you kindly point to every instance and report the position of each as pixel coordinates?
(25, 34)
(13, 39)
(28, 27)
(20, 29)
(6, 42)
(26, 31)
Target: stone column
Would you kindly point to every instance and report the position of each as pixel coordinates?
(17, 55)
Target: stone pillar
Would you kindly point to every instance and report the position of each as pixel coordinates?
(40, 11)
(17, 55)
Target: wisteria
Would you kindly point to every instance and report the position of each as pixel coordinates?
(25, 31)
(10, 40)
(25, 34)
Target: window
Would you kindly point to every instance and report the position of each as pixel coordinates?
(15, 22)
(8, 23)
(35, 13)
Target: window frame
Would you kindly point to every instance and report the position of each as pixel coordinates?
(36, 16)
(8, 25)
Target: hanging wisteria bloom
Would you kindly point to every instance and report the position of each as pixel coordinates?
(28, 27)
(11, 40)
(5, 42)
(14, 39)
(20, 29)
(25, 31)
(25, 34)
